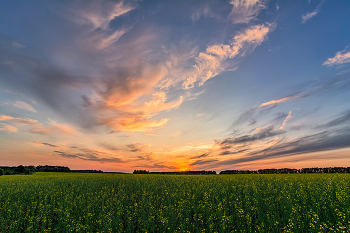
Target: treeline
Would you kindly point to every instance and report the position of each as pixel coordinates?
(289, 170)
(41, 168)
(177, 173)
(27, 170)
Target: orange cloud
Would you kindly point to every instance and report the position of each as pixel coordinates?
(9, 128)
(54, 128)
(120, 104)
(340, 57)
(19, 121)
(132, 122)
(276, 101)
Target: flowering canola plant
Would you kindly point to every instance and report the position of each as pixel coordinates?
(78, 202)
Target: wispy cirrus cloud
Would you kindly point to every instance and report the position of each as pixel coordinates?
(277, 101)
(340, 58)
(20, 121)
(20, 105)
(51, 129)
(306, 17)
(217, 58)
(285, 120)
(244, 11)
(54, 128)
(343, 118)
(89, 157)
(9, 128)
(100, 14)
(309, 15)
(137, 147)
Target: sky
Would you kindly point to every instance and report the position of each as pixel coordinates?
(175, 85)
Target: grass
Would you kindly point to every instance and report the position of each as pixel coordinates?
(66, 202)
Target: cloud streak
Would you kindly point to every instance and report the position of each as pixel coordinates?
(285, 120)
(340, 58)
(308, 16)
(244, 11)
(215, 60)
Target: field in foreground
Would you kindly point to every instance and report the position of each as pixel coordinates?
(65, 202)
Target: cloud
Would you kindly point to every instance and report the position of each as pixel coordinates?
(102, 41)
(54, 128)
(157, 104)
(190, 148)
(344, 118)
(340, 81)
(306, 17)
(340, 57)
(226, 152)
(285, 120)
(89, 157)
(273, 102)
(323, 141)
(109, 146)
(214, 61)
(20, 121)
(17, 45)
(48, 144)
(20, 105)
(243, 11)
(157, 166)
(260, 135)
(137, 147)
(203, 162)
(100, 14)
(9, 128)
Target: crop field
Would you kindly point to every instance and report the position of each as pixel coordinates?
(66, 202)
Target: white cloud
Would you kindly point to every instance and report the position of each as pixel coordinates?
(105, 42)
(285, 120)
(309, 15)
(17, 45)
(100, 15)
(306, 17)
(20, 121)
(340, 57)
(23, 105)
(213, 61)
(243, 11)
(20, 105)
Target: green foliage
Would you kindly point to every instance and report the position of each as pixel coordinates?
(2, 172)
(27, 171)
(8, 172)
(20, 169)
(65, 202)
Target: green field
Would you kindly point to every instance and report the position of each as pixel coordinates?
(66, 202)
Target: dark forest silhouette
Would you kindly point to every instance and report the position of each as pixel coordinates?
(7, 170)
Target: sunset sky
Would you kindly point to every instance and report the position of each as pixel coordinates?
(175, 85)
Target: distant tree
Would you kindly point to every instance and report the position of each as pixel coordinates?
(8, 172)
(20, 169)
(2, 172)
(141, 172)
(27, 171)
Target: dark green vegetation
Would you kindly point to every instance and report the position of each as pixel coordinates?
(27, 170)
(65, 202)
(24, 170)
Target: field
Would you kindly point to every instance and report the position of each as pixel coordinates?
(66, 202)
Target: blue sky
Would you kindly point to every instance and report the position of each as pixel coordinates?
(175, 85)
